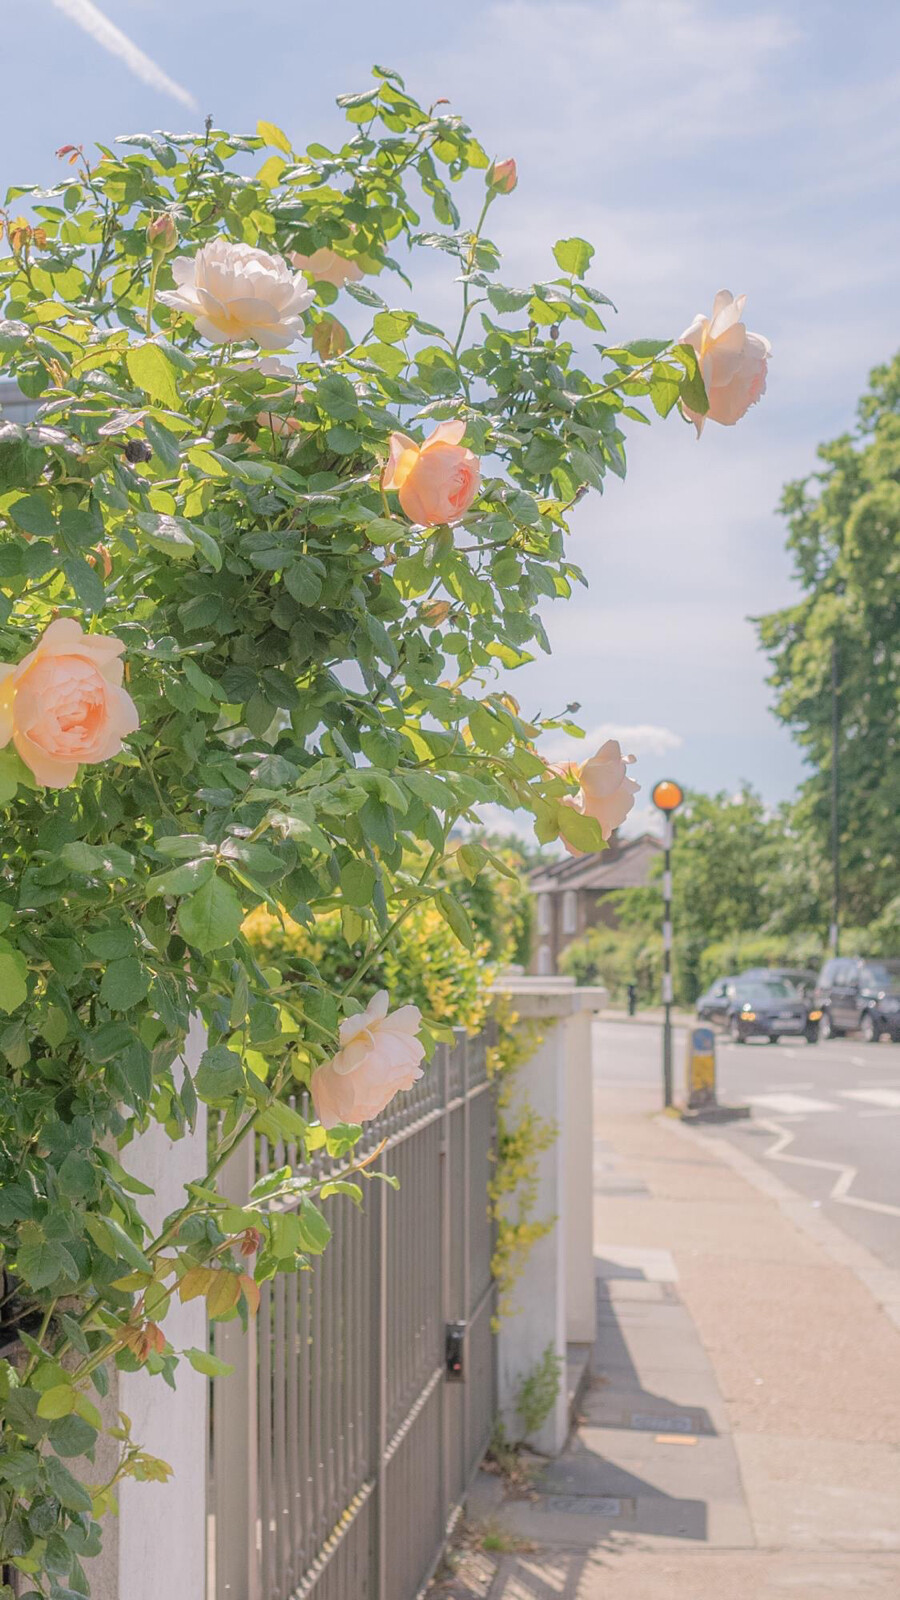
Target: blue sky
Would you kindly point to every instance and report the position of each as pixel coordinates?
(698, 144)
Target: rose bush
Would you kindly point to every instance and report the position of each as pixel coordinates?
(312, 676)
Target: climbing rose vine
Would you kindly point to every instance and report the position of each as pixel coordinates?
(253, 613)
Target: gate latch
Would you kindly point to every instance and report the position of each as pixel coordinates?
(454, 1351)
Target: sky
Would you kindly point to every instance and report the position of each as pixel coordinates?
(698, 144)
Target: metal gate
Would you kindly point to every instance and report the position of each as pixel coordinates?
(342, 1443)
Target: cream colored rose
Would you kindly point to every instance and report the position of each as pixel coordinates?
(732, 361)
(436, 481)
(379, 1056)
(326, 266)
(234, 292)
(607, 793)
(64, 705)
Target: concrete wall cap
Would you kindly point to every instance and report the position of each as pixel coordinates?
(549, 996)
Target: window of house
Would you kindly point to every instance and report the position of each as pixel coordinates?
(544, 961)
(570, 912)
(543, 910)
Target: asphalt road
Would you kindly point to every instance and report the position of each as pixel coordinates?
(827, 1116)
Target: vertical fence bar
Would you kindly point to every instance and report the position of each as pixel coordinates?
(378, 1398)
(445, 1310)
(235, 1426)
(467, 1230)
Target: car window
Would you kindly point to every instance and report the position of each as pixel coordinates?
(765, 991)
(882, 975)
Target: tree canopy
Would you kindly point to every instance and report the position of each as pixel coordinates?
(844, 537)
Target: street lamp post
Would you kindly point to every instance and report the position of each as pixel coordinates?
(667, 797)
(835, 800)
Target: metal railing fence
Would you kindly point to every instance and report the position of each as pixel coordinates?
(341, 1444)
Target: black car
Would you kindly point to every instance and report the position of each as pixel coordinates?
(798, 977)
(858, 994)
(712, 1005)
(759, 1008)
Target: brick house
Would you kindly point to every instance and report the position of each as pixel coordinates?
(572, 894)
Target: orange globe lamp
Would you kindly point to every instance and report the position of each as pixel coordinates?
(667, 795)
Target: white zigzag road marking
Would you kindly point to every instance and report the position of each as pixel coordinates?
(846, 1175)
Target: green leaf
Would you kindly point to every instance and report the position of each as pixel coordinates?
(13, 977)
(43, 1262)
(57, 1402)
(110, 1237)
(693, 389)
(211, 1366)
(272, 135)
(358, 882)
(487, 730)
(220, 1074)
(315, 1232)
(125, 982)
(68, 1491)
(101, 861)
(153, 372)
(185, 879)
(583, 832)
(457, 918)
(211, 917)
(573, 255)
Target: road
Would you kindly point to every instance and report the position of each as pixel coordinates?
(827, 1116)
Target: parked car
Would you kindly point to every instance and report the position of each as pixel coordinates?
(758, 1008)
(712, 1005)
(858, 994)
(798, 977)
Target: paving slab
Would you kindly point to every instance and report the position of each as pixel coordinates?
(618, 1574)
(822, 1493)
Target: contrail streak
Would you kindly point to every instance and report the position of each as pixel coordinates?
(86, 16)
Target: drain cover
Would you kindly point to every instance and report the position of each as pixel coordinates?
(587, 1505)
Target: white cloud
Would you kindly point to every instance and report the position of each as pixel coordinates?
(88, 17)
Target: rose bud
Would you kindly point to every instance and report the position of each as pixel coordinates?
(503, 175)
(162, 234)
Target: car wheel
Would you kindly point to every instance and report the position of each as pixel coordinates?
(773, 1038)
(868, 1029)
(827, 1029)
(734, 1031)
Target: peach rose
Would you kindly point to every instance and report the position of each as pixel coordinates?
(379, 1056)
(503, 175)
(733, 362)
(607, 793)
(64, 705)
(326, 266)
(436, 481)
(233, 291)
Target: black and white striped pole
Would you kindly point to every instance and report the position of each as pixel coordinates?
(667, 797)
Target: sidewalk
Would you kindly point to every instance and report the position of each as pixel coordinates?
(740, 1438)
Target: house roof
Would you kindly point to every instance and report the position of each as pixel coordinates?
(624, 864)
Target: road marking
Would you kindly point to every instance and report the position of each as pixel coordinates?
(846, 1175)
(790, 1104)
(889, 1098)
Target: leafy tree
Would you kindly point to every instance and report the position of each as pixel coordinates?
(844, 536)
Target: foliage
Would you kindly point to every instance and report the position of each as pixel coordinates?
(615, 958)
(500, 903)
(522, 1135)
(425, 964)
(314, 682)
(538, 1391)
(844, 537)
